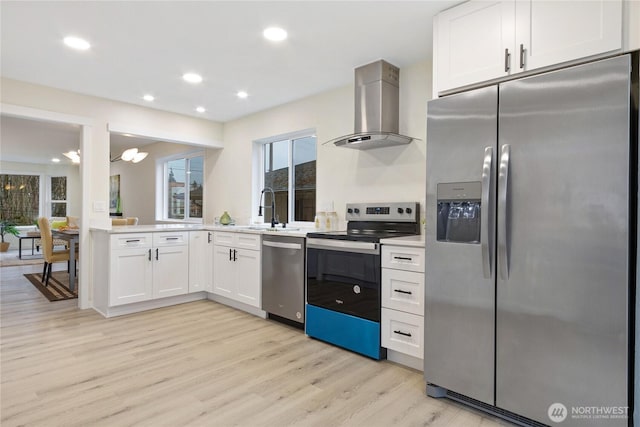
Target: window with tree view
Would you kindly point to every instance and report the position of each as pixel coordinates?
(184, 187)
(20, 201)
(289, 169)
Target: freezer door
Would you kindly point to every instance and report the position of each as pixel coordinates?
(563, 244)
(459, 273)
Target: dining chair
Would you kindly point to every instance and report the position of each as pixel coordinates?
(50, 256)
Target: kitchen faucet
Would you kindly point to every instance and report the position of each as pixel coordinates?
(273, 206)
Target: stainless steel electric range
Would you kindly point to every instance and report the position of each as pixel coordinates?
(343, 275)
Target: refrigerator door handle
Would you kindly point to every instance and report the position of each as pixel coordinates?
(487, 219)
(503, 194)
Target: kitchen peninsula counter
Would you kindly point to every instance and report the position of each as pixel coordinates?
(251, 229)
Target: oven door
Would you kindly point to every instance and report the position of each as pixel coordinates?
(344, 276)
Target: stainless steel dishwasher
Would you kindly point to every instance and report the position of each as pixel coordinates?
(283, 275)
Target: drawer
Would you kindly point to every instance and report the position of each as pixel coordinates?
(403, 290)
(171, 238)
(223, 238)
(403, 258)
(237, 240)
(128, 241)
(402, 332)
(247, 241)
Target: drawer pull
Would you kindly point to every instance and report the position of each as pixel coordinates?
(172, 238)
(400, 291)
(405, 334)
(404, 258)
(133, 240)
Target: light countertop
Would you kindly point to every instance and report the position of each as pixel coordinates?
(290, 231)
(412, 241)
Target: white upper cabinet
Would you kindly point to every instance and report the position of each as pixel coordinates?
(552, 32)
(484, 40)
(474, 41)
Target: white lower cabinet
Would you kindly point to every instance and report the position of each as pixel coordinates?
(402, 316)
(402, 332)
(200, 261)
(147, 266)
(131, 276)
(237, 267)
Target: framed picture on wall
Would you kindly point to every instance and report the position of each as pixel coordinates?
(114, 195)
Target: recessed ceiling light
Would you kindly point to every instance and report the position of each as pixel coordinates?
(148, 98)
(192, 77)
(242, 94)
(201, 109)
(55, 160)
(77, 43)
(274, 34)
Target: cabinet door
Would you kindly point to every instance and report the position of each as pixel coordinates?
(223, 271)
(170, 271)
(552, 32)
(200, 261)
(248, 273)
(474, 42)
(130, 276)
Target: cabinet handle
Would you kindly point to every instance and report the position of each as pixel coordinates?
(149, 254)
(133, 240)
(209, 238)
(157, 254)
(172, 238)
(230, 259)
(507, 56)
(234, 255)
(405, 334)
(522, 50)
(400, 291)
(404, 258)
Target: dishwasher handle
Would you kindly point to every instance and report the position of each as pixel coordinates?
(282, 245)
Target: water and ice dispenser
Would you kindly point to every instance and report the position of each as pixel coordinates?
(459, 212)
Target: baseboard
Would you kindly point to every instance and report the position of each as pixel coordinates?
(238, 305)
(121, 310)
(405, 359)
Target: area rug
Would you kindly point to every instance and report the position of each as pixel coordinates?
(58, 289)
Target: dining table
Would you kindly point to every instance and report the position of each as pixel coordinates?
(72, 236)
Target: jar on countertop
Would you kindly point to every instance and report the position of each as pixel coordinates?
(321, 221)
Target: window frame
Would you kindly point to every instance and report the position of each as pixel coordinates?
(49, 197)
(259, 172)
(162, 190)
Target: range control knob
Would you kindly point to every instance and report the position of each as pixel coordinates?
(408, 210)
(400, 210)
(349, 210)
(356, 210)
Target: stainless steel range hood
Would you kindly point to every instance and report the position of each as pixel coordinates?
(377, 108)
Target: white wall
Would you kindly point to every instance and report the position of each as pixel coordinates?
(138, 181)
(343, 175)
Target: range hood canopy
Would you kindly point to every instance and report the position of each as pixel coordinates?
(376, 108)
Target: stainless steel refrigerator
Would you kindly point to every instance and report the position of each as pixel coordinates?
(530, 242)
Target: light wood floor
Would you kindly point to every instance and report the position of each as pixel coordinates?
(197, 364)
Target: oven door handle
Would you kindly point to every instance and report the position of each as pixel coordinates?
(344, 246)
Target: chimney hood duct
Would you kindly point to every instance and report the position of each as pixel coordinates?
(376, 108)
